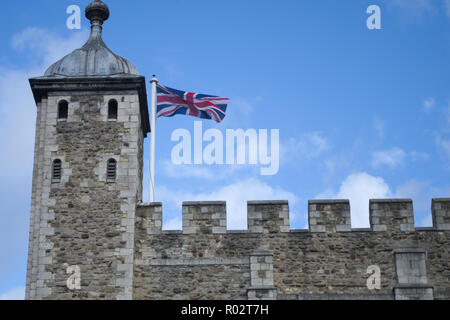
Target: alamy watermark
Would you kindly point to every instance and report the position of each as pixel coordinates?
(74, 280)
(207, 148)
(374, 280)
(74, 20)
(374, 20)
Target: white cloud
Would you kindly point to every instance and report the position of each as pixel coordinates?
(14, 294)
(172, 70)
(45, 48)
(236, 195)
(426, 221)
(359, 188)
(18, 116)
(308, 146)
(337, 163)
(422, 193)
(204, 171)
(17, 106)
(417, 190)
(379, 127)
(410, 189)
(419, 156)
(173, 224)
(444, 144)
(394, 157)
(244, 105)
(412, 8)
(391, 158)
(188, 171)
(428, 104)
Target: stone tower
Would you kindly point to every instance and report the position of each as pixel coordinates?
(92, 118)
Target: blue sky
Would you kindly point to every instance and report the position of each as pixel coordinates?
(362, 113)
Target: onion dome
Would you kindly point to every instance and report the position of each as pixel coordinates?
(94, 59)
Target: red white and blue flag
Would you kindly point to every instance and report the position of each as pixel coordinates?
(171, 102)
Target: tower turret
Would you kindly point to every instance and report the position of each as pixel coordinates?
(87, 180)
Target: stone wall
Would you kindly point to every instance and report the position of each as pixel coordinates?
(119, 246)
(84, 220)
(329, 261)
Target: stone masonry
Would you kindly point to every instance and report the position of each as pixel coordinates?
(329, 261)
(118, 244)
(84, 220)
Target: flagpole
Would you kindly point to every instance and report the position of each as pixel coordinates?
(154, 82)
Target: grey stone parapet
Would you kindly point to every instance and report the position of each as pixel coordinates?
(392, 215)
(204, 217)
(324, 216)
(329, 216)
(440, 209)
(268, 216)
(414, 292)
(335, 296)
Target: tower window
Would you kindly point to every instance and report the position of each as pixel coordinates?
(112, 109)
(56, 171)
(63, 110)
(111, 170)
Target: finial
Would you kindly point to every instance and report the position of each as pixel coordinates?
(154, 79)
(97, 11)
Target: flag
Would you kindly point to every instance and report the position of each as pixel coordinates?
(171, 102)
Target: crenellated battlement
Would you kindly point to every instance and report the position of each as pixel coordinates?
(269, 260)
(324, 216)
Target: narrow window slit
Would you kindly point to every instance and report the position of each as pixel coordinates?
(63, 110)
(112, 109)
(56, 171)
(111, 170)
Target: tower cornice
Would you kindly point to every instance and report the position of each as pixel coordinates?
(43, 86)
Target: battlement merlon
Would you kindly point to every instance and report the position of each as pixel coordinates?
(324, 216)
(440, 209)
(329, 216)
(268, 216)
(204, 217)
(391, 215)
(149, 218)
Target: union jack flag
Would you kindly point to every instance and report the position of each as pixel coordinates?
(171, 102)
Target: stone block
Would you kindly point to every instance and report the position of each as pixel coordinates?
(204, 217)
(440, 209)
(268, 217)
(329, 216)
(391, 215)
